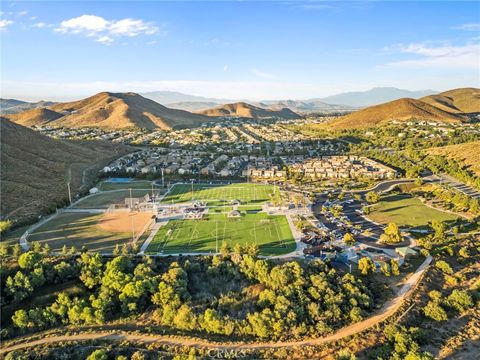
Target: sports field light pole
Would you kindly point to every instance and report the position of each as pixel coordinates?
(216, 236)
(131, 208)
(69, 193)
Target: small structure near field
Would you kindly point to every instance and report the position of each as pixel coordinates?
(234, 214)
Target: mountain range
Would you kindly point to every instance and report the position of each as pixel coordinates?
(375, 96)
(452, 106)
(12, 106)
(110, 111)
(129, 110)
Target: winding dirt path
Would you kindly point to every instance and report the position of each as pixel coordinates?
(386, 311)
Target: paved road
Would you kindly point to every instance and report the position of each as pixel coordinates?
(387, 310)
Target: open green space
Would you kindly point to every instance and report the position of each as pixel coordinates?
(78, 229)
(104, 200)
(406, 211)
(271, 233)
(138, 184)
(217, 195)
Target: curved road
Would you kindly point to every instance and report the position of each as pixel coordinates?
(385, 312)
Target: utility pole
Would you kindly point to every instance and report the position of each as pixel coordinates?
(69, 193)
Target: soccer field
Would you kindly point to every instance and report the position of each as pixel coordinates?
(271, 233)
(247, 193)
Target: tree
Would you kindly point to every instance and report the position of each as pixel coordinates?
(91, 269)
(434, 310)
(372, 197)
(445, 267)
(224, 249)
(394, 267)
(460, 300)
(349, 239)
(5, 225)
(366, 265)
(17, 250)
(439, 227)
(391, 234)
(3, 250)
(385, 269)
(116, 250)
(29, 260)
(99, 354)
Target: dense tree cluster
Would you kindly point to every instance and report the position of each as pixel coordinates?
(452, 199)
(235, 293)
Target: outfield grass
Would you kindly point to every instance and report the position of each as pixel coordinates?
(104, 200)
(215, 195)
(271, 233)
(406, 211)
(78, 229)
(137, 184)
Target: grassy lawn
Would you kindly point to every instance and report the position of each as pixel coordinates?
(104, 200)
(271, 233)
(139, 184)
(12, 237)
(78, 229)
(214, 195)
(406, 211)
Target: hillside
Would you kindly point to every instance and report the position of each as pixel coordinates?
(244, 110)
(375, 96)
(13, 106)
(113, 111)
(464, 100)
(32, 117)
(35, 169)
(467, 153)
(400, 110)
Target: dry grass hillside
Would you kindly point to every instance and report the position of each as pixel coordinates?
(400, 110)
(465, 100)
(244, 110)
(35, 169)
(114, 111)
(467, 153)
(32, 117)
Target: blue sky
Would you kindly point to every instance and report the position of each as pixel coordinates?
(256, 50)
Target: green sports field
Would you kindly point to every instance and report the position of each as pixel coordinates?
(247, 193)
(271, 233)
(406, 211)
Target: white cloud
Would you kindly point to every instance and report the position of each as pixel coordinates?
(469, 27)
(444, 56)
(107, 40)
(5, 23)
(105, 31)
(22, 13)
(263, 74)
(41, 25)
(225, 67)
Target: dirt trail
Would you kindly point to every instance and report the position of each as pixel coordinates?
(386, 311)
